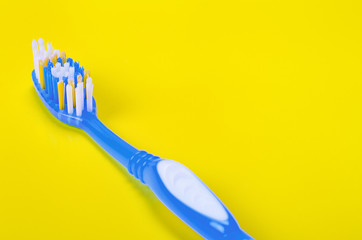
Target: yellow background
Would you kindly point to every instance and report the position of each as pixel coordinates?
(261, 99)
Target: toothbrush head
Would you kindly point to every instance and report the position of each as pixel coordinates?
(69, 100)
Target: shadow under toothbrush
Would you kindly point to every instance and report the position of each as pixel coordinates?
(173, 224)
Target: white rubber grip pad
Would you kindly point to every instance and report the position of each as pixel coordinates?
(186, 187)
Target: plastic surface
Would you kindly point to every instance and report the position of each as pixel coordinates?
(188, 189)
(175, 185)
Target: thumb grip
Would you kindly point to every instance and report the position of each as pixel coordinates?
(192, 201)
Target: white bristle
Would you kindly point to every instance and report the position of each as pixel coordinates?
(41, 47)
(65, 69)
(65, 73)
(66, 66)
(78, 101)
(54, 71)
(48, 54)
(62, 71)
(53, 55)
(89, 79)
(89, 94)
(71, 73)
(60, 76)
(56, 52)
(81, 87)
(69, 90)
(50, 48)
(36, 58)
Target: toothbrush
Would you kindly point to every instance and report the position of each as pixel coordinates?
(66, 89)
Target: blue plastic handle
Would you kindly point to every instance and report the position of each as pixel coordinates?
(174, 184)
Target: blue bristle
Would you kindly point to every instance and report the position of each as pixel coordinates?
(59, 60)
(65, 80)
(76, 70)
(55, 88)
(49, 80)
(81, 70)
(49, 85)
(46, 69)
(70, 61)
(76, 67)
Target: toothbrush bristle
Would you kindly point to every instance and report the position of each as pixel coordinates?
(73, 91)
(79, 78)
(89, 92)
(36, 58)
(41, 74)
(86, 76)
(70, 104)
(55, 74)
(78, 100)
(41, 47)
(61, 94)
(63, 57)
(53, 58)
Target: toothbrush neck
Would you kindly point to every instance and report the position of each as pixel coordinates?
(110, 142)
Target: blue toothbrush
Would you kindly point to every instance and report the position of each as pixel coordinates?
(66, 90)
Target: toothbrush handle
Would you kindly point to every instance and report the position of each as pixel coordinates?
(109, 141)
(174, 184)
